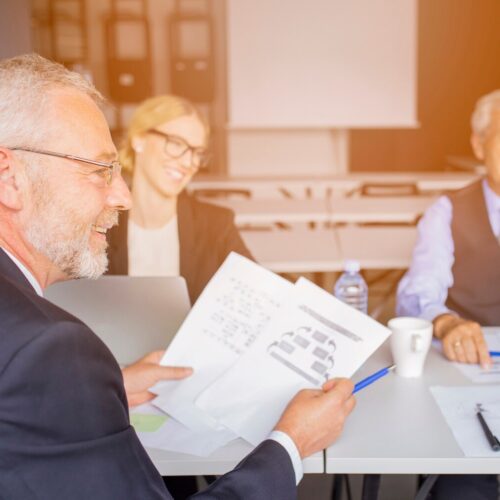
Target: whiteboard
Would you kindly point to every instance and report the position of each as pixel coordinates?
(321, 63)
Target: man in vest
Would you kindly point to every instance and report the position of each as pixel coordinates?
(454, 278)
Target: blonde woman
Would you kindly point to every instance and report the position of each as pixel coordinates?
(168, 232)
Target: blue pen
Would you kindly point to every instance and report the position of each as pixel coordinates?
(494, 353)
(369, 380)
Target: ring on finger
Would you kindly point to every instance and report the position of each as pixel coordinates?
(457, 344)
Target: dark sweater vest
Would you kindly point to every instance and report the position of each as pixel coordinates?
(475, 293)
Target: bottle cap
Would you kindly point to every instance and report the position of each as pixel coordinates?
(352, 266)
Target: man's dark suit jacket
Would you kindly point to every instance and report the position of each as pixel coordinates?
(64, 424)
(207, 235)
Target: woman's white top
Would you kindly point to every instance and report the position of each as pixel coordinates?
(153, 252)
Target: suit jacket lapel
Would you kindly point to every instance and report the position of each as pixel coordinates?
(9, 270)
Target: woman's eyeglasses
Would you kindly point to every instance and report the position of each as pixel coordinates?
(176, 147)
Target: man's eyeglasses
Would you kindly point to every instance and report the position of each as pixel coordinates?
(176, 147)
(109, 169)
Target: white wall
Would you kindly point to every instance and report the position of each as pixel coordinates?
(322, 63)
(287, 153)
(301, 72)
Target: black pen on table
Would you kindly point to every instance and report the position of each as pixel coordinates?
(492, 439)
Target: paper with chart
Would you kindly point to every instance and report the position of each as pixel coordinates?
(314, 338)
(477, 374)
(458, 406)
(228, 317)
(158, 430)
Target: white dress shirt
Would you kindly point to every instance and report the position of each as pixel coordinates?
(287, 442)
(424, 288)
(153, 252)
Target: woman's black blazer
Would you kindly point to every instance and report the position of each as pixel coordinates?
(207, 234)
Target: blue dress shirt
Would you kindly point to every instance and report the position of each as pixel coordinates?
(424, 288)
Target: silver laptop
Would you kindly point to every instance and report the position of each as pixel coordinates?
(132, 315)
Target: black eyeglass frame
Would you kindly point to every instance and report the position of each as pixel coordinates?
(203, 153)
(114, 167)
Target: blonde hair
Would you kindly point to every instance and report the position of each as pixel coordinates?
(481, 117)
(151, 113)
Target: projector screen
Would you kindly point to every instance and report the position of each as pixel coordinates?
(321, 63)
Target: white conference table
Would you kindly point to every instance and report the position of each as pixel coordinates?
(221, 461)
(297, 186)
(397, 428)
(270, 210)
(337, 209)
(324, 250)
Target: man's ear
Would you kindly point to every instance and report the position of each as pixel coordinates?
(10, 194)
(477, 146)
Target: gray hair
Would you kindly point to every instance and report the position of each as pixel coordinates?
(481, 116)
(27, 86)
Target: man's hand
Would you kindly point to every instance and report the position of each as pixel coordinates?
(143, 374)
(315, 418)
(462, 340)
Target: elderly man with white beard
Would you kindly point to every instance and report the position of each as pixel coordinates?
(64, 424)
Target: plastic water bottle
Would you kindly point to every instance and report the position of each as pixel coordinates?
(351, 288)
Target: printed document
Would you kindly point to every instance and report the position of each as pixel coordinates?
(459, 407)
(313, 338)
(231, 313)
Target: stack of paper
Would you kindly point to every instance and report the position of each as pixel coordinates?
(254, 340)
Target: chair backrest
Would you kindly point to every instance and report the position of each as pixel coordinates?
(222, 193)
(131, 315)
(389, 189)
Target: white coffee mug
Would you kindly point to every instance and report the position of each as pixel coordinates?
(410, 342)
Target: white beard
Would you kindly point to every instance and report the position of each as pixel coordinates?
(59, 233)
(72, 256)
